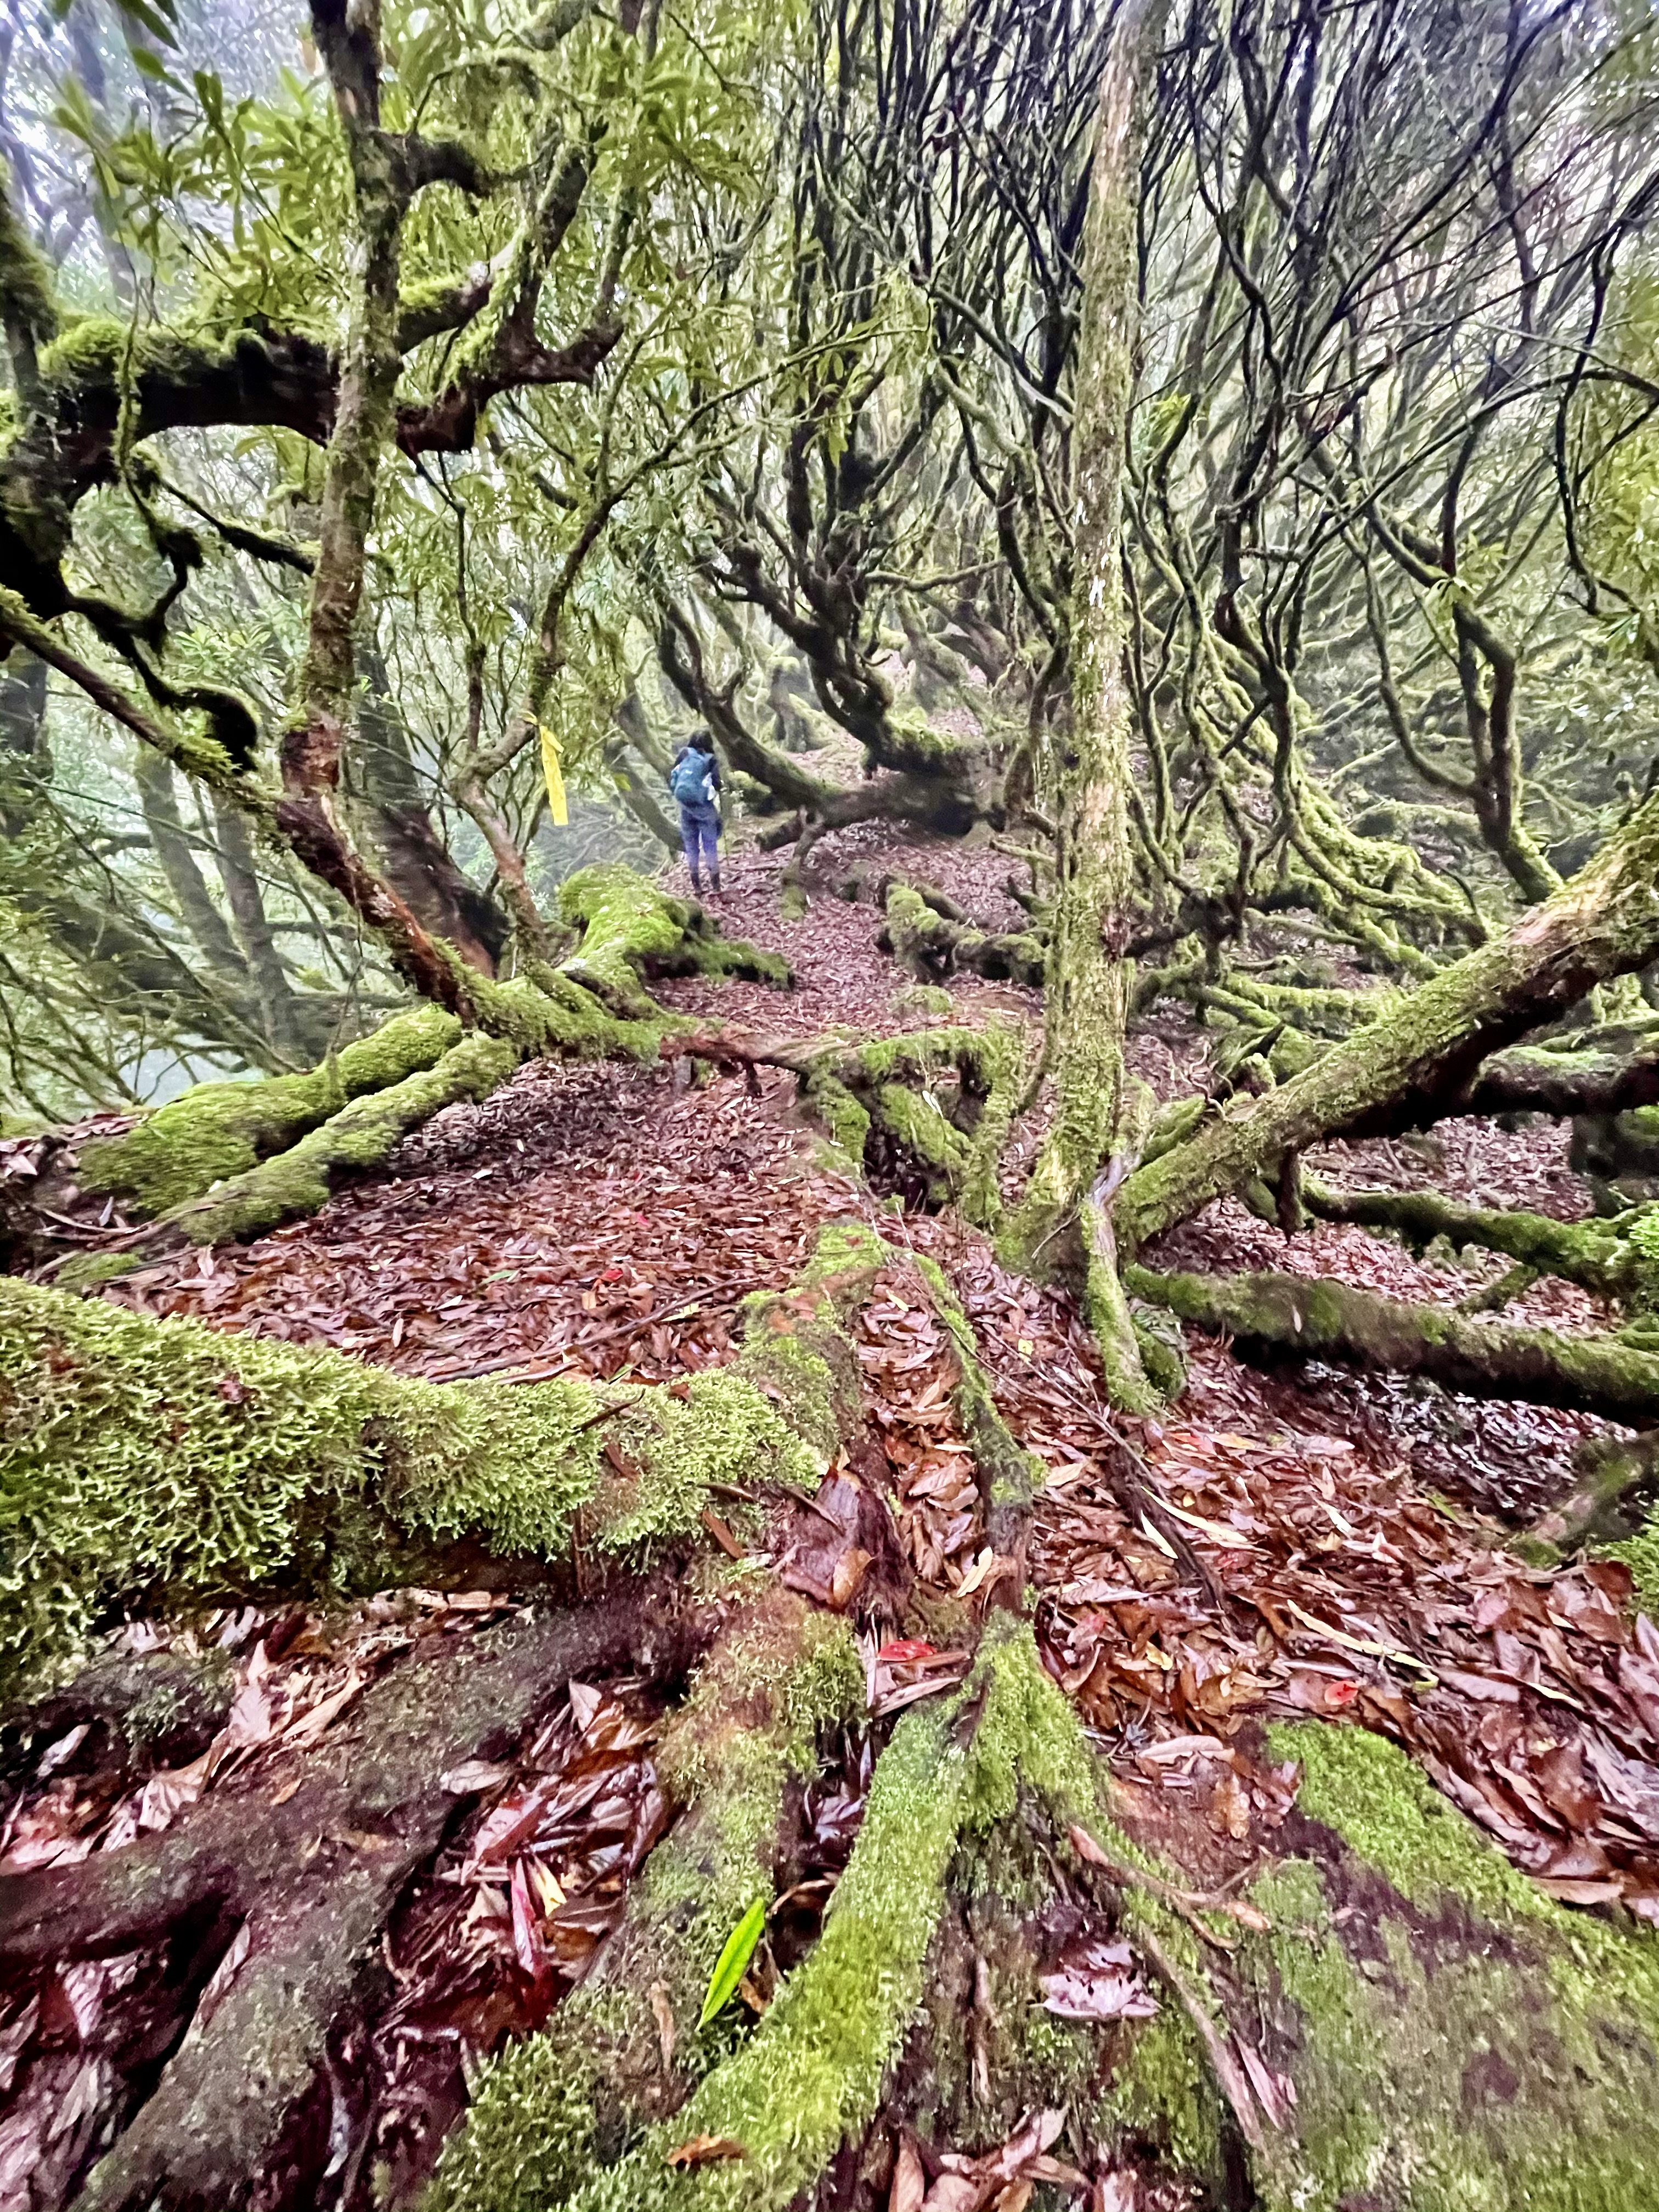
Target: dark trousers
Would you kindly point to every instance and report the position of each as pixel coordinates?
(700, 830)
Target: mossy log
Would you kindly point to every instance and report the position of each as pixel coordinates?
(1277, 1316)
(302, 1470)
(932, 945)
(1303, 2062)
(807, 2083)
(1456, 2038)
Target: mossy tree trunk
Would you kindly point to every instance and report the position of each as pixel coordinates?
(309, 813)
(1066, 1201)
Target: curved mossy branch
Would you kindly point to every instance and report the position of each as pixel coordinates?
(1603, 924)
(162, 1462)
(1270, 1315)
(932, 1107)
(363, 1135)
(1602, 1255)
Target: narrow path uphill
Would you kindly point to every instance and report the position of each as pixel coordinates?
(1280, 1613)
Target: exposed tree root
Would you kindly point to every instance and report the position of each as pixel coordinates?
(809, 2080)
(1615, 1479)
(932, 945)
(1429, 1046)
(304, 1470)
(1274, 1315)
(305, 1890)
(925, 1114)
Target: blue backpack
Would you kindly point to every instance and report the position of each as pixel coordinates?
(691, 779)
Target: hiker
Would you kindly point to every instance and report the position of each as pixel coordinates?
(695, 780)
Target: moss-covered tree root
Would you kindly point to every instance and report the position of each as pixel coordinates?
(229, 1161)
(809, 2080)
(1458, 2042)
(1275, 1316)
(219, 1130)
(926, 1114)
(932, 945)
(311, 1885)
(1617, 1258)
(162, 1462)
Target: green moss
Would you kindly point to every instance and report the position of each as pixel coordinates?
(1484, 2047)
(724, 1430)
(924, 998)
(812, 2075)
(1014, 1475)
(846, 1121)
(630, 929)
(362, 1135)
(218, 1130)
(1165, 2092)
(549, 1014)
(140, 1457)
(1640, 1553)
(917, 1119)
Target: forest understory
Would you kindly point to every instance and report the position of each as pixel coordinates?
(970, 1522)
(1310, 1835)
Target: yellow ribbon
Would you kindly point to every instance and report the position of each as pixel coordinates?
(558, 812)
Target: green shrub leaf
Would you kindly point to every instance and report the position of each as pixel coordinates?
(733, 1961)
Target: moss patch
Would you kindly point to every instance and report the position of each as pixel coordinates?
(630, 929)
(163, 1460)
(142, 1457)
(218, 1130)
(1459, 2041)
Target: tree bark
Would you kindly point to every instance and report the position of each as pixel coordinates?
(1087, 969)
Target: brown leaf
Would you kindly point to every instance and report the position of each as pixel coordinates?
(704, 2150)
(1095, 1980)
(909, 2188)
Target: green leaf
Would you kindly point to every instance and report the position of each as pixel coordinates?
(733, 1961)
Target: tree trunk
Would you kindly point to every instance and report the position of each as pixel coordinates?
(1087, 971)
